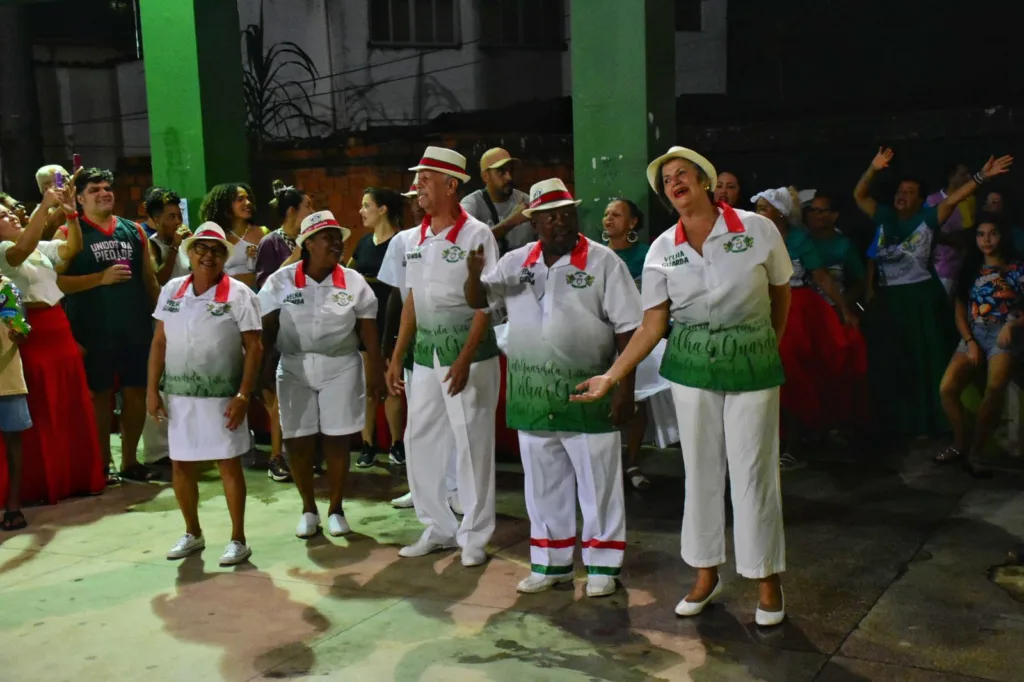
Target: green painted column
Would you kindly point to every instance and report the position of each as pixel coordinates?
(623, 102)
(194, 96)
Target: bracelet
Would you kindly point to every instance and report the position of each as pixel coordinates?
(979, 179)
(71, 216)
(970, 339)
(242, 397)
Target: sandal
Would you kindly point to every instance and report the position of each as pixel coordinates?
(112, 477)
(139, 473)
(637, 478)
(947, 456)
(13, 520)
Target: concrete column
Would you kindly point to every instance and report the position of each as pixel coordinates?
(624, 102)
(194, 95)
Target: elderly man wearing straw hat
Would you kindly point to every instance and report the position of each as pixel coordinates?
(455, 384)
(572, 306)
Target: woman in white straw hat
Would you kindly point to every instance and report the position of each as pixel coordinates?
(204, 363)
(722, 275)
(315, 313)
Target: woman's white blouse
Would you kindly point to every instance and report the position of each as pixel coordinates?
(36, 277)
(318, 318)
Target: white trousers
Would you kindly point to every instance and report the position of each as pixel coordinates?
(559, 467)
(450, 482)
(440, 425)
(736, 433)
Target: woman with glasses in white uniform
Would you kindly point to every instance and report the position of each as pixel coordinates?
(315, 313)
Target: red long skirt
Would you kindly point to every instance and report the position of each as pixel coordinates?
(61, 451)
(821, 358)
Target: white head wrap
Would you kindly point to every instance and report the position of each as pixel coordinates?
(779, 198)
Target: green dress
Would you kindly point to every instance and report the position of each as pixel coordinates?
(908, 326)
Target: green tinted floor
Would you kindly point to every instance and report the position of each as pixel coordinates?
(892, 577)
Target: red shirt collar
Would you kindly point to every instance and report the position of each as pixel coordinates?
(577, 258)
(453, 234)
(732, 223)
(337, 277)
(219, 296)
(108, 230)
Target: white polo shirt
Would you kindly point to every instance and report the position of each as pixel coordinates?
(722, 338)
(204, 345)
(436, 273)
(392, 268)
(562, 323)
(318, 317)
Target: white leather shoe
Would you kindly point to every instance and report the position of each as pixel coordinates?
(403, 502)
(767, 619)
(689, 608)
(600, 585)
(337, 525)
(309, 525)
(422, 547)
(538, 582)
(473, 557)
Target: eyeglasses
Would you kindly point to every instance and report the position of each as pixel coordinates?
(215, 250)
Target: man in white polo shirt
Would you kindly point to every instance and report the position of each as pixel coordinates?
(572, 305)
(455, 384)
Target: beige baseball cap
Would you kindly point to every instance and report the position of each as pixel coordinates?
(495, 158)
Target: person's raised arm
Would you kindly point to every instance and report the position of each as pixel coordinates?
(862, 192)
(30, 237)
(991, 169)
(72, 244)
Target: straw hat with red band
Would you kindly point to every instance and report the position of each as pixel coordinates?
(549, 194)
(443, 161)
(680, 153)
(321, 220)
(209, 231)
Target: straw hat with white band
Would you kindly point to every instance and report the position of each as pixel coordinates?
(321, 220)
(445, 161)
(680, 153)
(548, 194)
(209, 231)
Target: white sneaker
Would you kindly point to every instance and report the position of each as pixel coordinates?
(473, 557)
(186, 545)
(235, 553)
(453, 502)
(600, 585)
(538, 582)
(403, 502)
(767, 619)
(422, 547)
(337, 525)
(693, 608)
(309, 525)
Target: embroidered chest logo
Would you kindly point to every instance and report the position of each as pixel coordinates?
(172, 306)
(218, 309)
(342, 298)
(526, 276)
(678, 258)
(579, 280)
(739, 244)
(295, 298)
(453, 254)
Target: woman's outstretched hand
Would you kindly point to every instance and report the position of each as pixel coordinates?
(593, 389)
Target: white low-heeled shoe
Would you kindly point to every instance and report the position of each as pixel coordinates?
(309, 525)
(767, 619)
(690, 608)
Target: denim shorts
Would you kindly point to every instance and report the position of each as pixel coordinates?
(986, 334)
(14, 416)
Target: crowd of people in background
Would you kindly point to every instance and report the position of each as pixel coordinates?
(767, 324)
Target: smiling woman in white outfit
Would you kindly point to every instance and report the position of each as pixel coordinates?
(315, 314)
(205, 359)
(722, 275)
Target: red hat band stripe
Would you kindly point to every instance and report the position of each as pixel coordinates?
(548, 197)
(208, 233)
(442, 165)
(322, 223)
